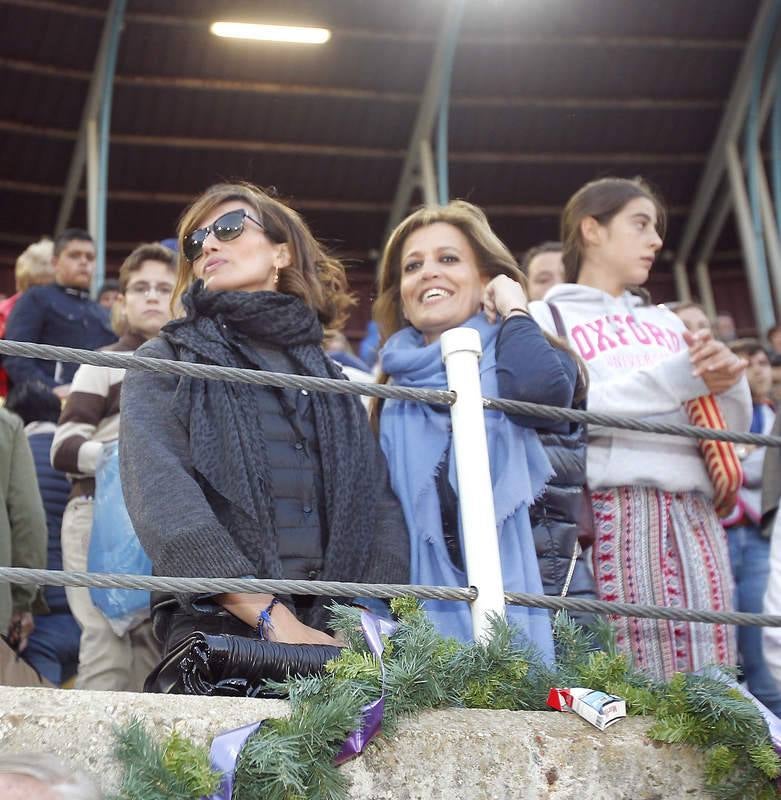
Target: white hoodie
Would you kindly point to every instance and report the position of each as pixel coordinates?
(638, 363)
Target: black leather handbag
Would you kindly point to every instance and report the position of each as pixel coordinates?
(235, 666)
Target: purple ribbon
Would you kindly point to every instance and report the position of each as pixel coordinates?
(374, 628)
(226, 747)
(223, 755)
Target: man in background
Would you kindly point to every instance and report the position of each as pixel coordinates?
(108, 293)
(544, 268)
(724, 327)
(60, 313)
(749, 548)
(692, 315)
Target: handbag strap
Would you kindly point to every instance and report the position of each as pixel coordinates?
(558, 320)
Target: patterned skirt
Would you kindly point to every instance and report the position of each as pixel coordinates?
(657, 548)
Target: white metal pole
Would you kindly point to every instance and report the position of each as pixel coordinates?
(461, 350)
(705, 289)
(428, 177)
(772, 243)
(93, 183)
(682, 288)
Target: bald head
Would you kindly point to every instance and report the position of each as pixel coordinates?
(41, 776)
(22, 787)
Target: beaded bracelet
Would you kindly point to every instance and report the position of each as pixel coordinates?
(264, 620)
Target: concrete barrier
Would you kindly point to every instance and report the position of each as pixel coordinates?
(453, 755)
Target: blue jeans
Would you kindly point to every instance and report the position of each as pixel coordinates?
(749, 555)
(53, 647)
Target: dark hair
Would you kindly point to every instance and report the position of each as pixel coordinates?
(533, 252)
(34, 401)
(746, 347)
(110, 285)
(774, 329)
(602, 200)
(68, 235)
(313, 276)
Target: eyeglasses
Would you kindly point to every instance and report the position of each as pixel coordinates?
(142, 288)
(225, 228)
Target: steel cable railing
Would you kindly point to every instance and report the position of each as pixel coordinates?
(385, 591)
(435, 396)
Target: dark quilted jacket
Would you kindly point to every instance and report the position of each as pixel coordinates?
(293, 455)
(54, 489)
(562, 516)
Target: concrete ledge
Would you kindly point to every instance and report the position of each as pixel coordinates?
(469, 755)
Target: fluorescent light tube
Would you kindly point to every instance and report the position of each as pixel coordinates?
(271, 33)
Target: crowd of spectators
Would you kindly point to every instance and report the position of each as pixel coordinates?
(233, 480)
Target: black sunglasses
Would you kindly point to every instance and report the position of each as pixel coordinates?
(225, 228)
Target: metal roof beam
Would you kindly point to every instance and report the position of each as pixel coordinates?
(353, 151)
(90, 114)
(731, 123)
(633, 103)
(424, 121)
(721, 208)
(498, 38)
(319, 204)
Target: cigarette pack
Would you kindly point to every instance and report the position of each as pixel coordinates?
(598, 708)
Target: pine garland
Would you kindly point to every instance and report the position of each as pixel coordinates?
(292, 758)
(177, 769)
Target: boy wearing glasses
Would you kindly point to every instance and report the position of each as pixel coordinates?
(89, 421)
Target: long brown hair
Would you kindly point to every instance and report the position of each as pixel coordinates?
(493, 258)
(313, 275)
(601, 199)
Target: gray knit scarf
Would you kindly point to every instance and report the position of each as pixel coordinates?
(226, 431)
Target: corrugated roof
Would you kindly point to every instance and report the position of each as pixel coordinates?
(546, 94)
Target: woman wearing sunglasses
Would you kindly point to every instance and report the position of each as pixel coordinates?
(226, 479)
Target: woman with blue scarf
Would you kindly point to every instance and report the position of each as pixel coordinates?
(443, 268)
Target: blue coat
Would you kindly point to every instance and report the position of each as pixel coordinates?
(56, 315)
(54, 489)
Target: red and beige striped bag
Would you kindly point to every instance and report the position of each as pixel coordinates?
(721, 460)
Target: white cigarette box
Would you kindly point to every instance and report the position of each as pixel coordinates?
(598, 708)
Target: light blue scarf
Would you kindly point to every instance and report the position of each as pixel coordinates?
(415, 436)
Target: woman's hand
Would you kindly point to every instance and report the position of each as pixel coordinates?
(287, 628)
(501, 295)
(713, 361)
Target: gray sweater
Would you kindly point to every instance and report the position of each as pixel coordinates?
(181, 530)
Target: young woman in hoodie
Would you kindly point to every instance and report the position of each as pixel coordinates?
(658, 539)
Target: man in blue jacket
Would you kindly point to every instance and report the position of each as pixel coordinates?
(60, 313)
